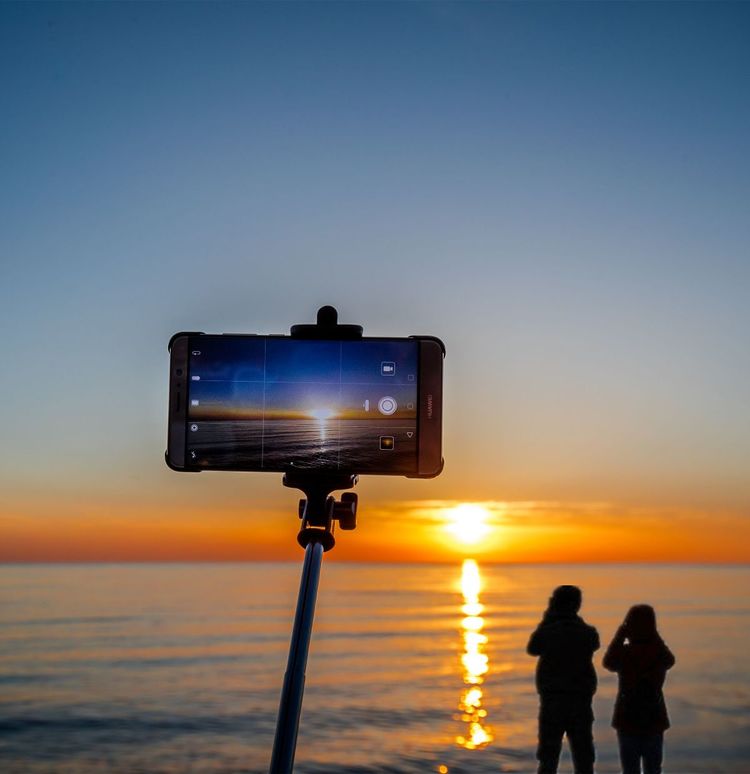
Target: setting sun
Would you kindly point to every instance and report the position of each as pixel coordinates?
(468, 522)
(322, 413)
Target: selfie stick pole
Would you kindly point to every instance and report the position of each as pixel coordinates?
(318, 510)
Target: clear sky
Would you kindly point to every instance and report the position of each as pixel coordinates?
(560, 192)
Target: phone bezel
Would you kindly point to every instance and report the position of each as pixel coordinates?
(178, 389)
(429, 462)
(430, 407)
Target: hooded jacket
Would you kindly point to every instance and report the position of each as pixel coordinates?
(565, 644)
(641, 666)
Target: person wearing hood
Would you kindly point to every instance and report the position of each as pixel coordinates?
(565, 681)
(641, 659)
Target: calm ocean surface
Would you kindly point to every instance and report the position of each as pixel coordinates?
(178, 668)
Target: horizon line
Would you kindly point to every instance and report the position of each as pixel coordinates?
(437, 562)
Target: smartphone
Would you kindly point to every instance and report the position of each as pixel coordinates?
(280, 403)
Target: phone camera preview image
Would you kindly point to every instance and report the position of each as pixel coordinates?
(280, 403)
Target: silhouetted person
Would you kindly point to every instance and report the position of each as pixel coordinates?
(641, 659)
(565, 681)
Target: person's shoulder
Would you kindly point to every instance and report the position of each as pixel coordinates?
(590, 630)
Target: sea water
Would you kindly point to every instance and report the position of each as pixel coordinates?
(413, 668)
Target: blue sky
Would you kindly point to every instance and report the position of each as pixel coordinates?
(560, 192)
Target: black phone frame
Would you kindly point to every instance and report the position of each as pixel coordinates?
(328, 329)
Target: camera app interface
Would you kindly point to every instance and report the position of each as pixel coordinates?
(278, 403)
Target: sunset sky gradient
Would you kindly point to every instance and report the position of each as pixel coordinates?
(561, 192)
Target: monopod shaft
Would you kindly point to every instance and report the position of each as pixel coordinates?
(290, 706)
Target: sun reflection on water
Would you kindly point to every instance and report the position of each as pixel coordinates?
(474, 660)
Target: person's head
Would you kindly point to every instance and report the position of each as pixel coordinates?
(566, 600)
(640, 622)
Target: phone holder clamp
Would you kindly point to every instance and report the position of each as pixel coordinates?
(326, 327)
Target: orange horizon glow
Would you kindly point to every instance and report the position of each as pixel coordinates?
(416, 532)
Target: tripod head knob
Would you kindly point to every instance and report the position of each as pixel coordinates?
(345, 510)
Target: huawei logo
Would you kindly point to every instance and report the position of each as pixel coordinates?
(429, 407)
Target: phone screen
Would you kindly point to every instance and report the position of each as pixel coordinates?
(275, 403)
